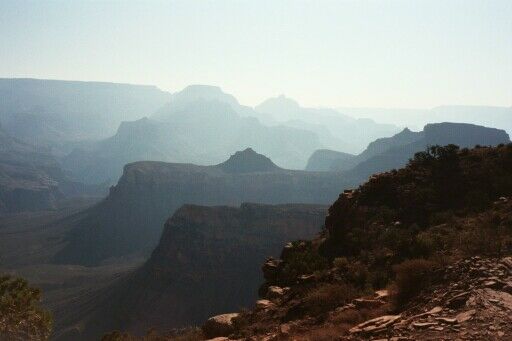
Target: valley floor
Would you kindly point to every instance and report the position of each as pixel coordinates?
(68, 290)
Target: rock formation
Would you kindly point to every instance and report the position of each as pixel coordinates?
(130, 219)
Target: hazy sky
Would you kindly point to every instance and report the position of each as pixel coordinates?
(408, 53)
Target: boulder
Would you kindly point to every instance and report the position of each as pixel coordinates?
(423, 325)
(275, 292)
(219, 326)
(270, 268)
(465, 316)
(447, 320)
(382, 294)
(376, 324)
(264, 304)
(458, 301)
(367, 303)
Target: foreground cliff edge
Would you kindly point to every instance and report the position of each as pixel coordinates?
(420, 253)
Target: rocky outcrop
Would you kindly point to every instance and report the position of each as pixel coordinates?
(442, 275)
(130, 219)
(473, 301)
(220, 325)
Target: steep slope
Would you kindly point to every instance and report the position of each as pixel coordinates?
(432, 238)
(54, 112)
(130, 219)
(208, 260)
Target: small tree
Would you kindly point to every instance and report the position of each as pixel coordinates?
(21, 317)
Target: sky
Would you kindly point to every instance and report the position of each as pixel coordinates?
(387, 53)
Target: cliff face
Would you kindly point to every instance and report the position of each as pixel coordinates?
(130, 219)
(207, 261)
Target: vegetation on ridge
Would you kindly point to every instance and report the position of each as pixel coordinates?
(21, 317)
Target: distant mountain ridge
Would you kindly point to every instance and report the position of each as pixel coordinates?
(387, 153)
(344, 133)
(490, 116)
(56, 112)
(200, 125)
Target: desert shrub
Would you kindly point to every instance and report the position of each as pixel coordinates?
(341, 264)
(184, 334)
(118, 336)
(437, 218)
(301, 262)
(327, 297)
(354, 272)
(357, 274)
(482, 241)
(21, 316)
(427, 243)
(411, 277)
(378, 278)
(327, 332)
(187, 334)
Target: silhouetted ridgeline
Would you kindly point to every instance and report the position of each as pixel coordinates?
(394, 152)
